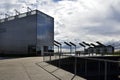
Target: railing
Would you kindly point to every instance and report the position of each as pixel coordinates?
(90, 68)
(18, 16)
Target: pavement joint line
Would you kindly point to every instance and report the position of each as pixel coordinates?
(44, 65)
(40, 62)
(55, 70)
(48, 72)
(49, 65)
(73, 77)
(26, 72)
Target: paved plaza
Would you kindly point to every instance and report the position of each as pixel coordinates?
(32, 68)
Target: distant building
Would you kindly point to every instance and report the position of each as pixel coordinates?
(99, 49)
(30, 33)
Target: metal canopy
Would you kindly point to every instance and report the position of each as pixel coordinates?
(67, 43)
(93, 44)
(81, 44)
(57, 42)
(72, 44)
(100, 43)
(86, 43)
(56, 45)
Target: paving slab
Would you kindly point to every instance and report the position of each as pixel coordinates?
(63, 75)
(78, 78)
(51, 68)
(43, 64)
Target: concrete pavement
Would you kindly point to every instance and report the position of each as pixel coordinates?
(32, 68)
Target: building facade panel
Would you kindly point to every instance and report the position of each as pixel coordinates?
(45, 32)
(17, 34)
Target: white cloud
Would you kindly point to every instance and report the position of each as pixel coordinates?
(88, 20)
(8, 6)
(78, 20)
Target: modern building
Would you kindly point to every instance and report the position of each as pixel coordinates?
(99, 49)
(30, 33)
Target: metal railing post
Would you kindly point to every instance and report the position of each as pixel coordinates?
(75, 62)
(59, 59)
(105, 70)
(86, 67)
(50, 56)
(61, 50)
(43, 58)
(99, 70)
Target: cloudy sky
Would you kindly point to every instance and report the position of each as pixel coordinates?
(76, 20)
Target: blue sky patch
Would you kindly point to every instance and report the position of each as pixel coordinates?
(57, 0)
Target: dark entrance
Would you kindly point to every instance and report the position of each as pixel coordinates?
(32, 50)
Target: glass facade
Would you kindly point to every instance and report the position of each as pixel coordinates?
(28, 32)
(18, 34)
(45, 32)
